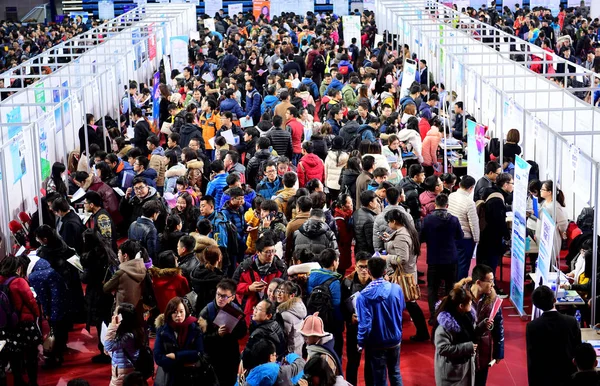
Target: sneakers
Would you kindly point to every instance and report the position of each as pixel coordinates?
(101, 359)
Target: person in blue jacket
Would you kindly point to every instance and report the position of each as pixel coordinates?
(270, 101)
(178, 345)
(218, 182)
(219, 229)
(231, 105)
(336, 84)
(379, 310)
(234, 181)
(253, 101)
(269, 372)
(312, 86)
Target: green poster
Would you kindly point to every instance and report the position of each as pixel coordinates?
(40, 96)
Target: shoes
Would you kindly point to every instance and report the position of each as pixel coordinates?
(417, 338)
(419, 281)
(420, 273)
(101, 359)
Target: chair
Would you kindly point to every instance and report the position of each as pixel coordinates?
(25, 220)
(18, 233)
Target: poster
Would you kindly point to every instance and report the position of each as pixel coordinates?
(408, 77)
(45, 127)
(351, 26)
(340, 7)
(519, 233)
(210, 24)
(278, 7)
(369, 5)
(57, 109)
(106, 10)
(234, 9)
(546, 243)
(40, 96)
(16, 151)
(156, 98)
(261, 7)
(476, 149)
(211, 7)
(305, 6)
(151, 42)
(14, 116)
(179, 52)
(66, 108)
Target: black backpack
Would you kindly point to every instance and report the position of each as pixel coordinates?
(585, 220)
(145, 362)
(319, 64)
(321, 301)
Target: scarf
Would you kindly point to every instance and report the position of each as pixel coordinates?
(181, 329)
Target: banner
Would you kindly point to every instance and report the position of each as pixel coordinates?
(519, 232)
(545, 243)
(156, 98)
(47, 126)
(476, 149)
(278, 7)
(351, 26)
(151, 42)
(261, 7)
(106, 10)
(211, 7)
(234, 9)
(408, 77)
(179, 53)
(340, 7)
(40, 96)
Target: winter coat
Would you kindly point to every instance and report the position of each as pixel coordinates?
(95, 135)
(395, 174)
(253, 105)
(292, 313)
(430, 146)
(270, 330)
(209, 126)
(349, 132)
(320, 146)
(268, 189)
(334, 163)
(167, 284)
(364, 220)
(297, 130)
(216, 186)
(348, 182)
(315, 236)
(490, 343)
(249, 196)
(150, 175)
(144, 231)
(109, 197)
(309, 167)
(273, 373)
(188, 263)
(97, 270)
(427, 200)
(349, 96)
(230, 104)
(412, 190)
(122, 349)
(51, 290)
(169, 241)
(132, 208)
(70, 228)
(158, 163)
(188, 132)
(253, 168)
(21, 298)
(400, 251)
(320, 276)
(491, 240)
(281, 141)
(345, 235)
(440, 231)
(334, 85)
(381, 226)
(269, 102)
(282, 197)
(166, 343)
(454, 353)
(247, 273)
(350, 286)
(128, 282)
(204, 282)
(380, 303)
(482, 185)
(141, 132)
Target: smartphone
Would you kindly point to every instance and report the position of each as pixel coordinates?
(264, 282)
(119, 318)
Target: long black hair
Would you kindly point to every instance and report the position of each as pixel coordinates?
(402, 219)
(57, 170)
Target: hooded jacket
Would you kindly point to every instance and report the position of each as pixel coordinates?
(253, 167)
(109, 197)
(269, 102)
(334, 85)
(273, 373)
(144, 231)
(334, 163)
(270, 330)
(216, 186)
(268, 189)
(190, 131)
(309, 167)
(320, 276)
(128, 282)
(430, 146)
(349, 133)
(380, 303)
(454, 352)
(412, 190)
(292, 313)
(204, 282)
(167, 284)
(349, 96)
(230, 104)
(348, 181)
(440, 231)
(315, 236)
(150, 175)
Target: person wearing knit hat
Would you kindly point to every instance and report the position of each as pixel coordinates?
(335, 161)
(319, 342)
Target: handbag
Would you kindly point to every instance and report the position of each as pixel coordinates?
(48, 344)
(406, 281)
(200, 371)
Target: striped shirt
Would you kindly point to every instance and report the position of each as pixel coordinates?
(461, 205)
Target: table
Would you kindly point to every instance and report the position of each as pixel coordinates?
(455, 164)
(591, 336)
(450, 147)
(571, 298)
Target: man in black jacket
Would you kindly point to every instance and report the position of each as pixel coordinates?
(254, 174)
(68, 225)
(95, 135)
(189, 131)
(492, 170)
(551, 342)
(141, 131)
(281, 139)
(364, 220)
(412, 190)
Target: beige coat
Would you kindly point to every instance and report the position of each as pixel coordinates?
(333, 168)
(400, 251)
(159, 163)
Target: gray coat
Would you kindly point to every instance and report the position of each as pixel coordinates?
(315, 236)
(292, 313)
(400, 251)
(454, 361)
(381, 226)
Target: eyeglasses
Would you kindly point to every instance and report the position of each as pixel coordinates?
(223, 296)
(280, 292)
(269, 252)
(270, 171)
(255, 308)
(139, 188)
(362, 267)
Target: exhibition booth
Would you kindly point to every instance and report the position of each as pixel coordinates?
(90, 73)
(490, 71)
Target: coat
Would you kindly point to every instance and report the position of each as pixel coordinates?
(292, 313)
(309, 167)
(158, 162)
(491, 241)
(490, 343)
(348, 182)
(270, 330)
(128, 282)
(141, 132)
(204, 282)
(315, 236)
(345, 235)
(334, 164)
(167, 284)
(551, 342)
(430, 146)
(209, 126)
(267, 188)
(70, 228)
(440, 231)
(188, 132)
(51, 290)
(399, 248)
(253, 171)
(427, 200)
(454, 363)
(98, 265)
(166, 343)
(412, 190)
(364, 220)
(95, 136)
(109, 197)
(281, 141)
(132, 209)
(297, 130)
(381, 226)
(272, 374)
(21, 298)
(144, 231)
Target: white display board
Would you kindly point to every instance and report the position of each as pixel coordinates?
(106, 10)
(369, 5)
(234, 9)
(211, 7)
(351, 29)
(305, 6)
(179, 52)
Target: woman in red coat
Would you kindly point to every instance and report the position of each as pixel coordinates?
(167, 280)
(343, 215)
(23, 338)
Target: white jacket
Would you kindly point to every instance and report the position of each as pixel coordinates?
(333, 168)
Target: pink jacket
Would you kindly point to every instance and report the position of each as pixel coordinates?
(430, 145)
(427, 200)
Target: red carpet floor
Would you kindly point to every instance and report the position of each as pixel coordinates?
(416, 358)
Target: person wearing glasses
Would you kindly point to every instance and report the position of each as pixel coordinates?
(131, 205)
(492, 169)
(219, 342)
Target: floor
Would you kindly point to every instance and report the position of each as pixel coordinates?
(416, 358)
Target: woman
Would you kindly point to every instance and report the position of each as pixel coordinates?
(380, 159)
(342, 213)
(349, 175)
(454, 348)
(430, 148)
(175, 169)
(260, 71)
(106, 175)
(561, 219)
(178, 345)
(194, 168)
(410, 135)
(403, 248)
(21, 341)
(582, 281)
(290, 209)
(206, 276)
(449, 180)
(320, 145)
(186, 210)
(163, 110)
(511, 147)
(123, 342)
(307, 120)
(170, 237)
(292, 312)
(318, 372)
(335, 161)
(534, 188)
(167, 280)
(99, 263)
(272, 288)
(121, 147)
(363, 97)
(392, 153)
(410, 111)
(56, 183)
(432, 186)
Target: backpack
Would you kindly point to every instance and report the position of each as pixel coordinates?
(234, 246)
(145, 362)
(319, 64)
(8, 315)
(585, 220)
(343, 70)
(321, 301)
(480, 207)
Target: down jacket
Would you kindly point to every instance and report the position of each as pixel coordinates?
(454, 354)
(315, 236)
(430, 146)
(292, 312)
(128, 282)
(270, 330)
(309, 167)
(334, 163)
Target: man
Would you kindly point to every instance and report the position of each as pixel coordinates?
(312, 86)
(462, 207)
(552, 339)
(210, 123)
(490, 344)
(255, 274)
(411, 185)
(303, 208)
(365, 177)
(219, 229)
(327, 275)
(143, 229)
(100, 219)
(364, 116)
(233, 211)
(297, 130)
(227, 124)
(190, 130)
(141, 130)
(235, 181)
(314, 235)
(457, 127)
(336, 84)
(158, 161)
(95, 135)
(281, 139)
(334, 119)
(289, 190)
(425, 107)
(253, 101)
(351, 286)
(411, 98)
(423, 72)
(142, 170)
(282, 108)
(131, 206)
(187, 257)
(232, 164)
(349, 94)
(349, 131)
(440, 232)
(325, 84)
(310, 165)
(379, 309)
(364, 219)
(586, 362)
(492, 170)
(491, 246)
(122, 169)
(394, 197)
(217, 183)
(254, 174)
(219, 342)
(271, 183)
(68, 224)
(251, 136)
(173, 141)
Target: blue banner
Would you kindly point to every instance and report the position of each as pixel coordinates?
(156, 99)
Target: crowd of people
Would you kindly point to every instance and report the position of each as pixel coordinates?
(270, 222)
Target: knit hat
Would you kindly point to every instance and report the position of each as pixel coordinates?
(313, 326)
(337, 143)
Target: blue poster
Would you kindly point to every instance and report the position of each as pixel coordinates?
(519, 234)
(156, 98)
(14, 116)
(57, 110)
(67, 104)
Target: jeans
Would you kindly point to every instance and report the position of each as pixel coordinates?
(465, 249)
(295, 158)
(384, 363)
(436, 273)
(354, 357)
